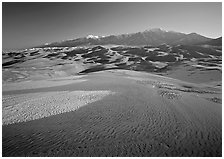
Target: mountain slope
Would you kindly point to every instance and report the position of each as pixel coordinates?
(213, 42)
(152, 37)
(191, 39)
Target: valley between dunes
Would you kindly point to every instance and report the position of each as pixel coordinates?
(111, 113)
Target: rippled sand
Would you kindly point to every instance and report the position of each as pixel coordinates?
(147, 116)
(26, 107)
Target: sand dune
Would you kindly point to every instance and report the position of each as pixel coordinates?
(26, 107)
(149, 115)
(41, 83)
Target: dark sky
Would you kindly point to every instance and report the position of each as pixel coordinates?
(30, 24)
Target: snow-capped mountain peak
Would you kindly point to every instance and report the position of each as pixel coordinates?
(92, 37)
(155, 30)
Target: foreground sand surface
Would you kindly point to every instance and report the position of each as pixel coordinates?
(112, 113)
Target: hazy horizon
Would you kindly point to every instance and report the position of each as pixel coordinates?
(30, 24)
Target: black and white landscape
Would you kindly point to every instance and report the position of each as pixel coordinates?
(149, 93)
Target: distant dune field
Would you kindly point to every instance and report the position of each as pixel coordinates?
(112, 113)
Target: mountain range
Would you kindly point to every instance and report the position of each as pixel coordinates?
(153, 37)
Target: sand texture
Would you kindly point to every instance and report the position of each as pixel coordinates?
(41, 83)
(130, 114)
(26, 107)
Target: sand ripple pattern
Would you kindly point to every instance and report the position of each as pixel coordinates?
(169, 94)
(169, 86)
(136, 121)
(27, 107)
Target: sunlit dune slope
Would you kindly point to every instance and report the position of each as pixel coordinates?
(132, 114)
